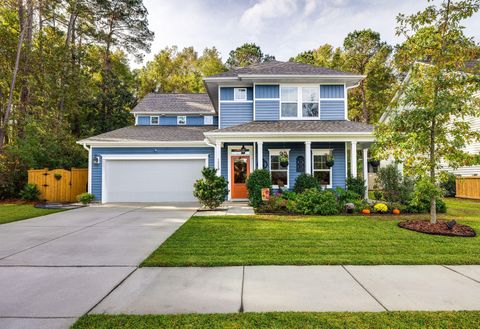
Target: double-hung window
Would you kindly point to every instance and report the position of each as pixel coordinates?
(299, 102)
(279, 168)
(321, 171)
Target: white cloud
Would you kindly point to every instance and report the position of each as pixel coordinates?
(280, 27)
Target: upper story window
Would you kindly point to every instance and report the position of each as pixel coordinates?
(155, 120)
(208, 120)
(300, 102)
(240, 94)
(181, 120)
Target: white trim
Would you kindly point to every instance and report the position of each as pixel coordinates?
(277, 152)
(308, 157)
(136, 119)
(346, 160)
(173, 114)
(146, 144)
(158, 120)
(229, 165)
(230, 101)
(345, 95)
(260, 155)
(254, 107)
(365, 170)
(219, 116)
(282, 76)
(323, 152)
(353, 159)
(218, 158)
(90, 155)
(117, 157)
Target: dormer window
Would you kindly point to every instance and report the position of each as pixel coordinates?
(240, 94)
(181, 120)
(155, 120)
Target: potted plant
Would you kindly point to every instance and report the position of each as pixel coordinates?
(283, 158)
(330, 161)
(374, 163)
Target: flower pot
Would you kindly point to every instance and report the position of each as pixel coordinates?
(374, 163)
(284, 164)
(330, 163)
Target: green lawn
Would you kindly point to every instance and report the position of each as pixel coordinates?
(13, 212)
(407, 320)
(297, 240)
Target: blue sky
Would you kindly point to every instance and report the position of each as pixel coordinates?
(280, 27)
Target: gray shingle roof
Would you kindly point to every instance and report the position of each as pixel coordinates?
(308, 126)
(175, 104)
(153, 134)
(281, 68)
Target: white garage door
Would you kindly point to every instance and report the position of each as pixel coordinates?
(159, 180)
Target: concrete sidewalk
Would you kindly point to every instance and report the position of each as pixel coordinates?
(295, 288)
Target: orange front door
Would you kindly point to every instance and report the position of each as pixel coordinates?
(240, 171)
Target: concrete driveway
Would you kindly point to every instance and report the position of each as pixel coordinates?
(56, 268)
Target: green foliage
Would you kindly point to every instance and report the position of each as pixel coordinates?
(315, 202)
(423, 193)
(448, 183)
(276, 204)
(304, 182)
(258, 179)
(247, 54)
(211, 190)
(395, 187)
(30, 192)
(85, 198)
(356, 185)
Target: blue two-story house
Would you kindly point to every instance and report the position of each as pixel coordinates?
(288, 118)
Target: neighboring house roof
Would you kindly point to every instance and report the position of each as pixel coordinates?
(175, 104)
(281, 68)
(138, 134)
(301, 126)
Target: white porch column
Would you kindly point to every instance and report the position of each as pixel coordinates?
(365, 170)
(260, 155)
(218, 158)
(308, 158)
(353, 159)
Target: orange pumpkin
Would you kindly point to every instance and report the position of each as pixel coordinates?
(396, 211)
(366, 211)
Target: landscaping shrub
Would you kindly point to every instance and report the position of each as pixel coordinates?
(30, 192)
(85, 198)
(211, 190)
(257, 180)
(356, 184)
(424, 190)
(276, 204)
(448, 183)
(381, 208)
(315, 202)
(304, 182)
(395, 187)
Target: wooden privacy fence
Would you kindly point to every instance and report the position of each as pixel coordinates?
(468, 187)
(59, 185)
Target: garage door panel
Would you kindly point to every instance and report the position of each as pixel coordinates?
(151, 180)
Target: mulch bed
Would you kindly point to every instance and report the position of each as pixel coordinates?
(439, 228)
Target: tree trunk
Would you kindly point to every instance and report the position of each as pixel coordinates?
(364, 102)
(433, 198)
(6, 116)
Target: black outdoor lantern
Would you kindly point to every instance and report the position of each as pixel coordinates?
(243, 150)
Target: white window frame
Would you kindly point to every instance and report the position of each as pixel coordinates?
(156, 117)
(179, 120)
(326, 152)
(277, 152)
(208, 120)
(299, 101)
(236, 97)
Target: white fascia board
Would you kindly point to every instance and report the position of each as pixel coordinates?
(161, 113)
(307, 76)
(144, 144)
(359, 137)
(154, 156)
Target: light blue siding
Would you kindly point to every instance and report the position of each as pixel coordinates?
(235, 113)
(266, 91)
(332, 110)
(268, 110)
(97, 168)
(332, 91)
(143, 120)
(226, 93)
(194, 120)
